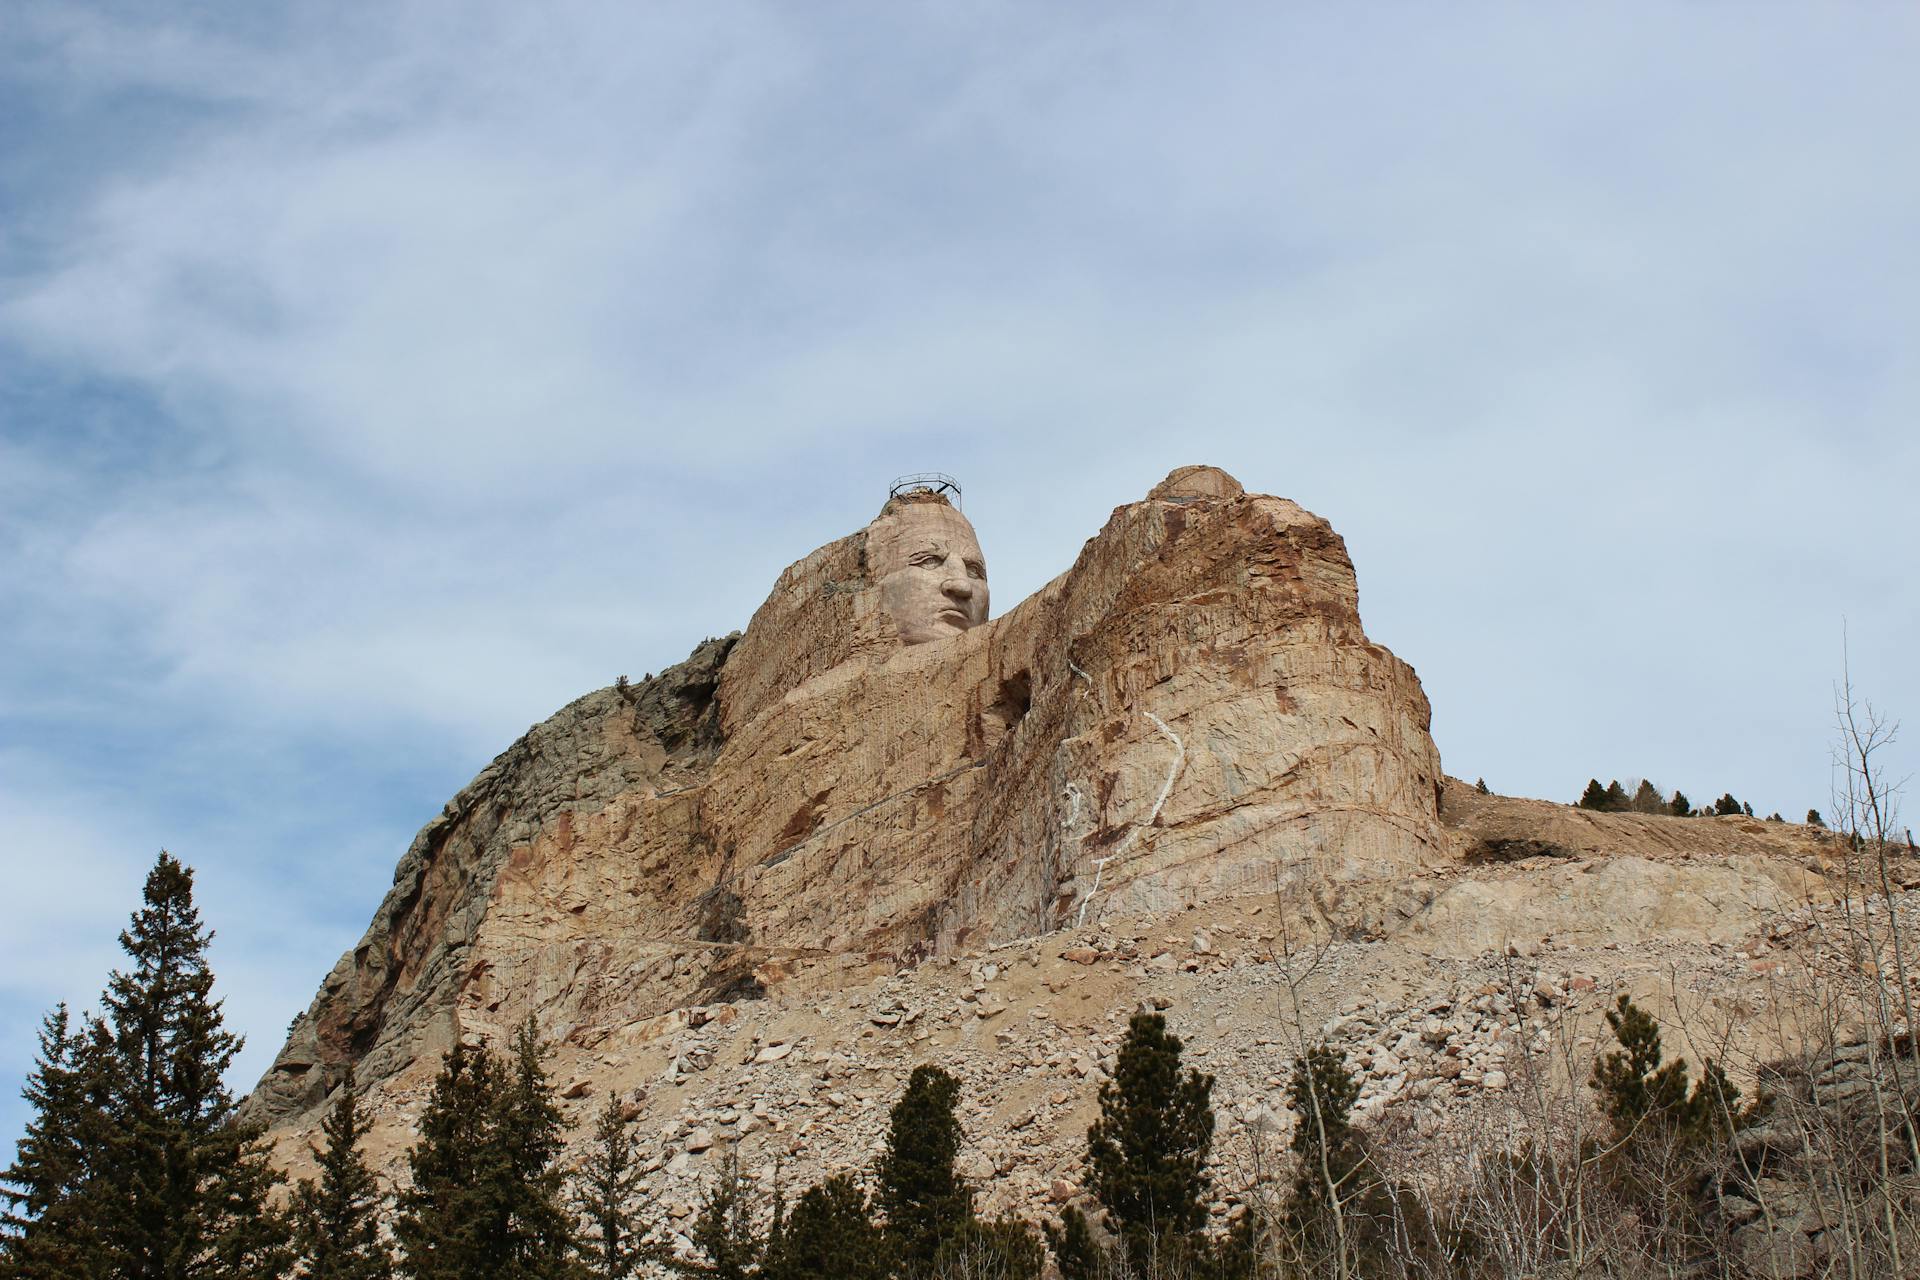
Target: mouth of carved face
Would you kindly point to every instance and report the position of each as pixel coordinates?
(954, 616)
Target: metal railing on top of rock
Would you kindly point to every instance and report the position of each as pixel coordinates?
(928, 481)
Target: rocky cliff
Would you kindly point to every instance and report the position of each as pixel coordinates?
(749, 893)
(1192, 711)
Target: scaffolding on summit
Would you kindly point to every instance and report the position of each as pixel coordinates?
(934, 482)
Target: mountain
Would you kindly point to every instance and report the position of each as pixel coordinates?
(879, 827)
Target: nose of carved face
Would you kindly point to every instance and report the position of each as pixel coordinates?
(957, 610)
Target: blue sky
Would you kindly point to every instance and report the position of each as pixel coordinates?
(375, 379)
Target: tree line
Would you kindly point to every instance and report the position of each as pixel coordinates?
(135, 1166)
(1647, 798)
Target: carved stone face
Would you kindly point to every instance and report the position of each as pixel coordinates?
(933, 579)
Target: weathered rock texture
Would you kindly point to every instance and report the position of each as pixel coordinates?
(1180, 773)
(1192, 712)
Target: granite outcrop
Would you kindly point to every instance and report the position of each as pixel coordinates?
(877, 828)
(1193, 711)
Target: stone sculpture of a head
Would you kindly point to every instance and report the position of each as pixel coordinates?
(924, 557)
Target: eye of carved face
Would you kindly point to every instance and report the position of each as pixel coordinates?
(933, 579)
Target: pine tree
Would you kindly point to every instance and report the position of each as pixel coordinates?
(1147, 1153)
(1726, 806)
(446, 1227)
(1663, 1131)
(1680, 806)
(1321, 1093)
(487, 1195)
(1814, 819)
(724, 1231)
(45, 1230)
(1632, 1082)
(1480, 785)
(1594, 797)
(828, 1236)
(924, 1200)
(1616, 798)
(336, 1221)
(1343, 1216)
(1643, 1096)
(605, 1191)
(529, 1133)
(177, 1186)
(1075, 1251)
(1646, 799)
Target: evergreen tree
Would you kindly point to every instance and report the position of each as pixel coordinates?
(1641, 1094)
(336, 1221)
(1594, 797)
(1680, 806)
(828, 1236)
(529, 1135)
(1726, 806)
(1746, 807)
(45, 1230)
(1147, 1153)
(605, 1191)
(487, 1196)
(1632, 1082)
(1616, 798)
(1647, 799)
(1321, 1093)
(1665, 1132)
(1814, 819)
(1075, 1251)
(924, 1200)
(724, 1231)
(176, 1186)
(445, 1228)
(1480, 785)
(1342, 1215)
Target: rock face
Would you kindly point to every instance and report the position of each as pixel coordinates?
(750, 895)
(1192, 713)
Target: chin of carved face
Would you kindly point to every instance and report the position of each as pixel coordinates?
(933, 579)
